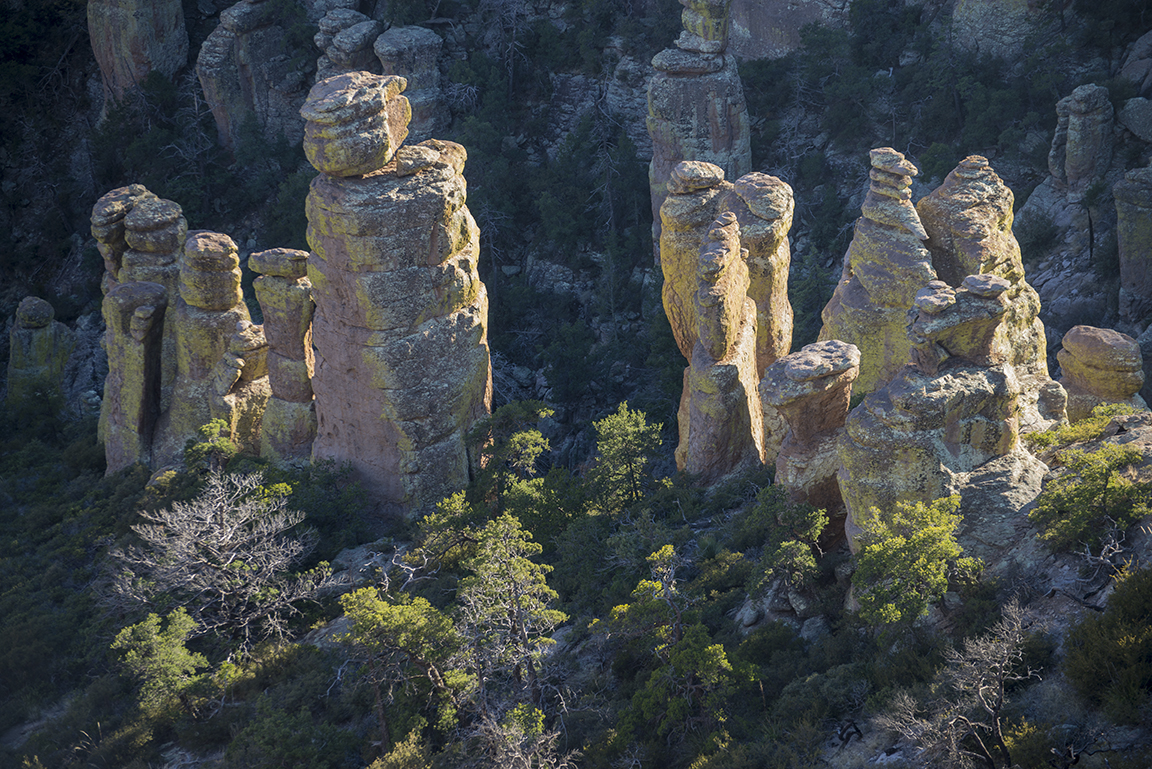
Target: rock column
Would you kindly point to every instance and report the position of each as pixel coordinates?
(39, 346)
(1133, 196)
(131, 38)
(1099, 365)
(240, 391)
(400, 330)
(108, 228)
(1082, 145)
(414, 54)
(285, 296)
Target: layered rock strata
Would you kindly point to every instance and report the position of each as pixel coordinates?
(134, 318)
(132, 38)
(108, 228)
(1133, 197)
(811, 389)
(968, 220)
(205, 315)
(696, 107)
(1082, 145)
(285, 296)
(414, 54)
(247, 74)
(721, 428)
(240, 389)
(1099, 365)
(886, 264)
(39, 346)
(400, 329)
(943, 417)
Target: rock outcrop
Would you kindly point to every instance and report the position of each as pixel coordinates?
(1082, 145)
(132, 38)
(1099, 365)
(400, 328)
(414, 54)
(285, 296)
(769, 29)
(1133, 197)
(943, 417)
(345, 40)
(39, 346)
(721, 427)
(247, 74)
(811, 389)
(969, 224)
(696, 107)
(998, 28)
(885, 266)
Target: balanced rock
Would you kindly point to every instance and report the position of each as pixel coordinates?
(812, 389)
(705, 26)
(886, 264)
(108, 227)
(132, 38)
(721, 427)
(414, 54)
(400, 329)
(1099, 365)
(285, 296)
(134, 317)
(1133, 197)
(39, 346)
(1082, 145)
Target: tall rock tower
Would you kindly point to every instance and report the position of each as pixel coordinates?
(402, 369)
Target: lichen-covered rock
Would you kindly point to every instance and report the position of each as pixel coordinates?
(400, 329)
(108, 227)
(811, 389)
(355, 123)
(285, 296)
(240, 390)
(1133, 196)
(886, 264)
(1082, 145)
(721, 427)
(969, 224)
(414, 54)
(705, 25)
(1099, 365)
(248, 73)
(330, 25)
(132, 38)
(39, 346)
(204, 314)
(134, 317)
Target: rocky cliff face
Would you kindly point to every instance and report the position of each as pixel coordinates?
(769, 29)
(1133, 197)
(131, 38)
(402, 366)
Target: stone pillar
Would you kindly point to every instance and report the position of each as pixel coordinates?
(345, 40)
(811, 389)
(1099, 365)
(240, 389)
(1082, 145)
(108, 228)
(134, 316)
(414, 54)
(400, 331)
(131, 38)
(204, 315)
(39, 346)
(285, 296)
(1133, 196)
(885, 266)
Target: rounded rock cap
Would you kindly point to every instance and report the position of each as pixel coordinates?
(152, 214)
(280, 262)
(34, 312)
(1103, 348)
(691, 175)
(821, 359)
(213, 251)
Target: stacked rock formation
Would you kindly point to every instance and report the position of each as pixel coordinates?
(132, 38)
(134, 317)
(345, 38)
(968, 220)
(247, 74)
(240, 389)
(721, 427)
(1133, 196)
(696, 107)
(414, 54)
(204, 315)
(109, 230)
(886, 264)
(39, 346)
(811, 389)
(1082, 145)
(1099, 365)
(400, 330)
(285, 296)
(942, 417)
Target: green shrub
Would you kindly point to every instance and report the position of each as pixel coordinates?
(1085, 430)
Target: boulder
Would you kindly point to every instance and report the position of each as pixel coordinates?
(39, 346)
(356, 122)
(1136, 116)
(132, 38)
(1099, 365)
(1133, 198)
(109, 230)
(1137, 65)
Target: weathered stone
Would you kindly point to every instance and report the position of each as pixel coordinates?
(1136, 116)
(769, 29)
(1137, 65)
(705, 25)
(414, 54)
(811, 389)
(355, 123)
(38, 350)
(998, 27)
(132, 38)
(1082, 146)
(240, 390)
(1099, 365)
(108, 227)
(1133, 197)
(134, 316)
(886, 264)
(721, 287)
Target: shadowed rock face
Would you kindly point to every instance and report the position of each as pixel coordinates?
(1099, 365)
(38, 351)
(414, 53)
(131, 38)
(1133, 196)
(1082, 145)
(400, 328)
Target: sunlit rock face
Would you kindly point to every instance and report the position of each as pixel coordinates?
(133, 38)
(1097, 366)
(414, 54)
(402, 366)
(885, 266)
(1082, 145)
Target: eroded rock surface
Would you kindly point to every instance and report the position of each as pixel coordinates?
(1082, 145)
(1099, 365)
(39, 346)
(1133, 196)
(356, 122)
(414, 54)
(132, 38)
